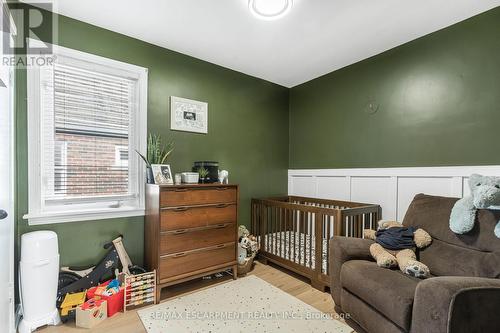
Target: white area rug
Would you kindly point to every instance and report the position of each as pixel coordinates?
(248, 304)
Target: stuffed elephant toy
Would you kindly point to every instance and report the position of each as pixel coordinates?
(485, 193)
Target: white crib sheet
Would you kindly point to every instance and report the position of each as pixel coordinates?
(279, 244)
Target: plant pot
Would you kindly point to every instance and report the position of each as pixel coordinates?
(150, 179)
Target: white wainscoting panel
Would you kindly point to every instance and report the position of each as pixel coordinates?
(328, 187)
(304, 186)
(379, 190)
(409, 186)
(392, 188)
(465, 186)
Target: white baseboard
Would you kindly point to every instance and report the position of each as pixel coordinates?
(392, 188)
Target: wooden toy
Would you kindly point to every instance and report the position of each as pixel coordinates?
(70, 303)
(91, 313)
(140, 290)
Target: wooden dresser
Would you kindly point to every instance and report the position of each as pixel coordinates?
(190, 231)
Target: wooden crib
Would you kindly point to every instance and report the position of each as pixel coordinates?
(293, 232)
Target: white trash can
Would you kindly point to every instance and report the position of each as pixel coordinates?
(38, 278)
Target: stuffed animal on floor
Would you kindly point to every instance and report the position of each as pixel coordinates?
(252, 245)
(243, 244)
(247, 244)
(485, 192)
(394, 246)
(243, 231)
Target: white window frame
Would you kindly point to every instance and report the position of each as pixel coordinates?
(92, 208)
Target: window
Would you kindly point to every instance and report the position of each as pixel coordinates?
(60, 171)
(121, 156)
(86, 118)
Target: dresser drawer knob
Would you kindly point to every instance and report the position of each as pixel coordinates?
(181, 209)
(178, 232)
(181, 190)
(178, 255)
(220, 226)
(221, 188)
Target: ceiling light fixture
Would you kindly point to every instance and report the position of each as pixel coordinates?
(270, 9)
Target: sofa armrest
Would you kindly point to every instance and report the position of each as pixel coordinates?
(343, 249)
(456, 304)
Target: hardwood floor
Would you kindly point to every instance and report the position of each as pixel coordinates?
(285, 280)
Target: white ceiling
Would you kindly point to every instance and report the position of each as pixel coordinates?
(317, 37)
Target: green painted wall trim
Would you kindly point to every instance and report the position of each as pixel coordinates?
(247, 134)
(438, 97)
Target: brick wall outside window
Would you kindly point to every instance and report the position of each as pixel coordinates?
(91, 166)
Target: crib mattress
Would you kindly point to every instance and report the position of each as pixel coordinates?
(296, 247)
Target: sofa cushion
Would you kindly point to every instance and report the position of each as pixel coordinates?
(390, 292)
(365, 316)
(444, 259)
(476, 253)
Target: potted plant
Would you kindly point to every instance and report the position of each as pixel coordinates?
(156, 154)
(203, 172)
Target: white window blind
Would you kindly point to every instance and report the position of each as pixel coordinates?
(92, 114)
(91, 121)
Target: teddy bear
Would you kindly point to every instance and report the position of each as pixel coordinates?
(247, 244)
(485, 192)
(402, 254)
(243, 231)
(251, 245)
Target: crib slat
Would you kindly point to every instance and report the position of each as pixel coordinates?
(301, 234)
(318, 238)
(276, 234)
(288, 212)
(280, 222)
(330, 222)
(355, 221)
(278, 238)
(337, 227)
(274, 230)
(310, 225)
(283, 231)
(270, 217)
(295, 221)
(263, 231)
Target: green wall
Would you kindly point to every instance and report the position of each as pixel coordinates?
(247, 134)
(438, 97)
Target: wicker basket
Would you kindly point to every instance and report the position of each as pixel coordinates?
(246, 267)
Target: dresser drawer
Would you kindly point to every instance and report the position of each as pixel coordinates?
(173, 265)
(194, 217)
(191, 197)
(187, 240)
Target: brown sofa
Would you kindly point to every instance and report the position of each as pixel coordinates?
(463, 294)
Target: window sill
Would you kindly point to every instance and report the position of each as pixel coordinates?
(84, 215)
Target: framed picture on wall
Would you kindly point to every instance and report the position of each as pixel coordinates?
(188, 115)
(162, 174)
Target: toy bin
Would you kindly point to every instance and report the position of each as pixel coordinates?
(114, 302)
